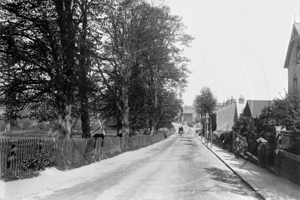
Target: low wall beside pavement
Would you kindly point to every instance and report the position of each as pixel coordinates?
(284, 164)
(288, 166)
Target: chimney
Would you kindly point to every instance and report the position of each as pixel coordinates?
(241, 100)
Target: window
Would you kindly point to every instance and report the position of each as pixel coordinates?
(295, 84)
(297, 54)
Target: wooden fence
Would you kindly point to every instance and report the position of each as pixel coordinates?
(68, 153)
(14, 151)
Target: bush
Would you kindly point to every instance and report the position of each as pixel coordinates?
(38, 162)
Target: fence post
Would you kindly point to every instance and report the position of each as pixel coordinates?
(261, 155)
(1, 156)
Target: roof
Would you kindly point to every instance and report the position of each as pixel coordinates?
(261, 140)
(225, 108)
(256, 106)
(225, 117)
(295, 34)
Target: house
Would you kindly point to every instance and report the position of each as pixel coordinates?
(225, 118)
(189, 114)
(292, 59)
(253, 108)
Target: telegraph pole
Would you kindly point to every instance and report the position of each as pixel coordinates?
(210, 130)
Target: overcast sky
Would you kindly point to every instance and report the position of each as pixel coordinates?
(239, 47)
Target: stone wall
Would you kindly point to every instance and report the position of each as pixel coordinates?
(288, 166)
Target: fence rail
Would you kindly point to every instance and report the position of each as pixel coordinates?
(68, 153)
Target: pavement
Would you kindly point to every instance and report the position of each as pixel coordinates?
(265, 184)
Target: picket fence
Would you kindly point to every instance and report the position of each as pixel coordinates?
(68, 153)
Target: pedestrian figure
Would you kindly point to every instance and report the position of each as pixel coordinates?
(180, 130)
(237, 147)
(224, 138)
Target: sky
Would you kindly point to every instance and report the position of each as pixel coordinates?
(239, 46)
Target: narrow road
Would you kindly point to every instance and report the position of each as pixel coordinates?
(176, 168)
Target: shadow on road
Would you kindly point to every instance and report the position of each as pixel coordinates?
(225, 177)
(189, 144)
(184, 139)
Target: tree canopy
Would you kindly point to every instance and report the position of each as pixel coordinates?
(205, 103)
(70, 59)
(284, 111)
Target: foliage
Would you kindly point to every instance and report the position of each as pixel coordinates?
(23, 49)
(205, 102)
(141, 46)
(62, 58)
(284, 112)
(245, 126)
(170, 107)
(39, 161)
(44, 55)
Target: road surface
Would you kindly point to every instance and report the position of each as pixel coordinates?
(176, 168)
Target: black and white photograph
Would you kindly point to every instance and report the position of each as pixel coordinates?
(149, 100)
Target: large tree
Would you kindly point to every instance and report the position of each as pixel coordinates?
(30, 55)
(205, 103)
(65, 59)
(45, 45)
(141, 58)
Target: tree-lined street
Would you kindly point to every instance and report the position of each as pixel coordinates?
(91, 90)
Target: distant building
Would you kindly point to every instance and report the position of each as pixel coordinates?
(240, 105)
(227, 114)
(189, 114)
(241, 100)
(253, 108)
(219, 106)
(229, 101)
(292, 59)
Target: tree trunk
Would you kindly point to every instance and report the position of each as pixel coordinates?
(154, 96)
(64, 124)
(64, 9)
(83, 89)
(125, 111)
(210, 130)
(206, 129)
(85, 120)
